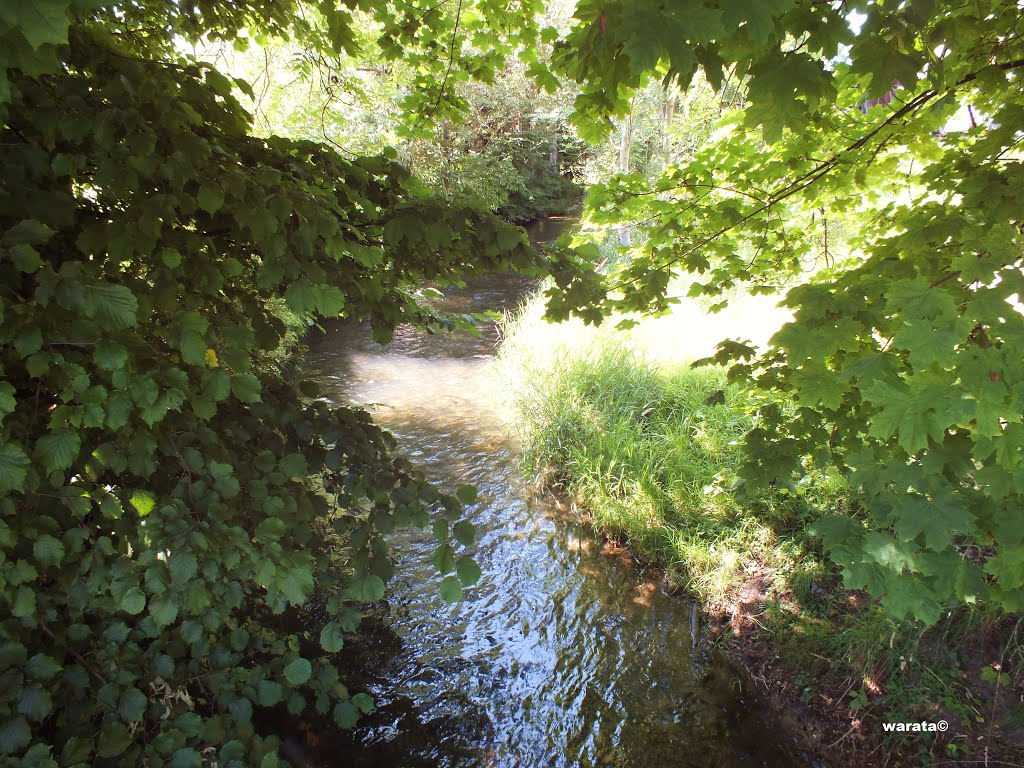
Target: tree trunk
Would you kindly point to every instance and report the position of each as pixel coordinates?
(626, 143)
(668, 113)
(625, 149)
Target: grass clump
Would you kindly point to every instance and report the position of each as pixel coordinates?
(651, 451)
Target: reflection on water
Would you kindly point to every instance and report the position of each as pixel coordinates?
(561, 655)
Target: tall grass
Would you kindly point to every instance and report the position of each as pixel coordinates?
(651, 449)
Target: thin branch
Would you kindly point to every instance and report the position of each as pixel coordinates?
(451, 61)
(811, 176)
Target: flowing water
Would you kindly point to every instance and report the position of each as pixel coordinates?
(565, 653)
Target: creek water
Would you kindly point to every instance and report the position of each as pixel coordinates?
(565, 653)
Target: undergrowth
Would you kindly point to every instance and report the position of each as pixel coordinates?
(650, 451)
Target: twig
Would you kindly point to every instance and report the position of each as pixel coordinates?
(451, 61)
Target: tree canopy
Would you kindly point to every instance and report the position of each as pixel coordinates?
(903, 360)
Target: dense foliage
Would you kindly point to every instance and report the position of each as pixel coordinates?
(904, 357)
(509, 155)
(170, 486)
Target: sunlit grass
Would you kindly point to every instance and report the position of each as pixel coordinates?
(650, 445)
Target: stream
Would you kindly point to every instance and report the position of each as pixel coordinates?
(566, 653)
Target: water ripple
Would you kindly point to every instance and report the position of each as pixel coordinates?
(561, 656)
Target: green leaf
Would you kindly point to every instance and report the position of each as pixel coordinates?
(346, 714)
(25, 258)
(42, 22)
(887, 552)
(114, 739)
(239, 639)
(210, 198)
(241, 709)
(270, 530)
(269, 693)
(29, 230)
(302, 297)
(49, 551)
(220, 470)
(7, 400)
(905, 597)
(183, 566)
(133, 601)
(937, 521)
(76, 750)
(143, 502)
(366, 588)
(293, 465)
(28, 341)
(192, 347)
(171, 257)
(164, 610)
(14, 736)
(364, 702)
(110, 356)
(885, 62)
(13, 467)
(468, 571)
(465, 532)
(246, 387)
(903, 414)
(42, 667)
(298, 671)
(186, 757)
(929, 341)
(12, 654)
(444, 558)
(35, 703)
(111, 507)
(24, 603)
(132, 706)
(451, 590)
(114, 306)
(297, 584)
(330, 301)
(467, 494)
(331, 638)
(217, 384)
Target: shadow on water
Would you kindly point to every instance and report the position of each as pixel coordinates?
(561, 655)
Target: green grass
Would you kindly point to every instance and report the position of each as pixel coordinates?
(649, 448)
(651, 451)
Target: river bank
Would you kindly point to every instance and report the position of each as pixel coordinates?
(645, 449)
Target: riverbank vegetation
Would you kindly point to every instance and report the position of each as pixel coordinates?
(649, 449)
(859, 195)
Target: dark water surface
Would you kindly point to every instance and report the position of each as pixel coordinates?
(562, 655)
